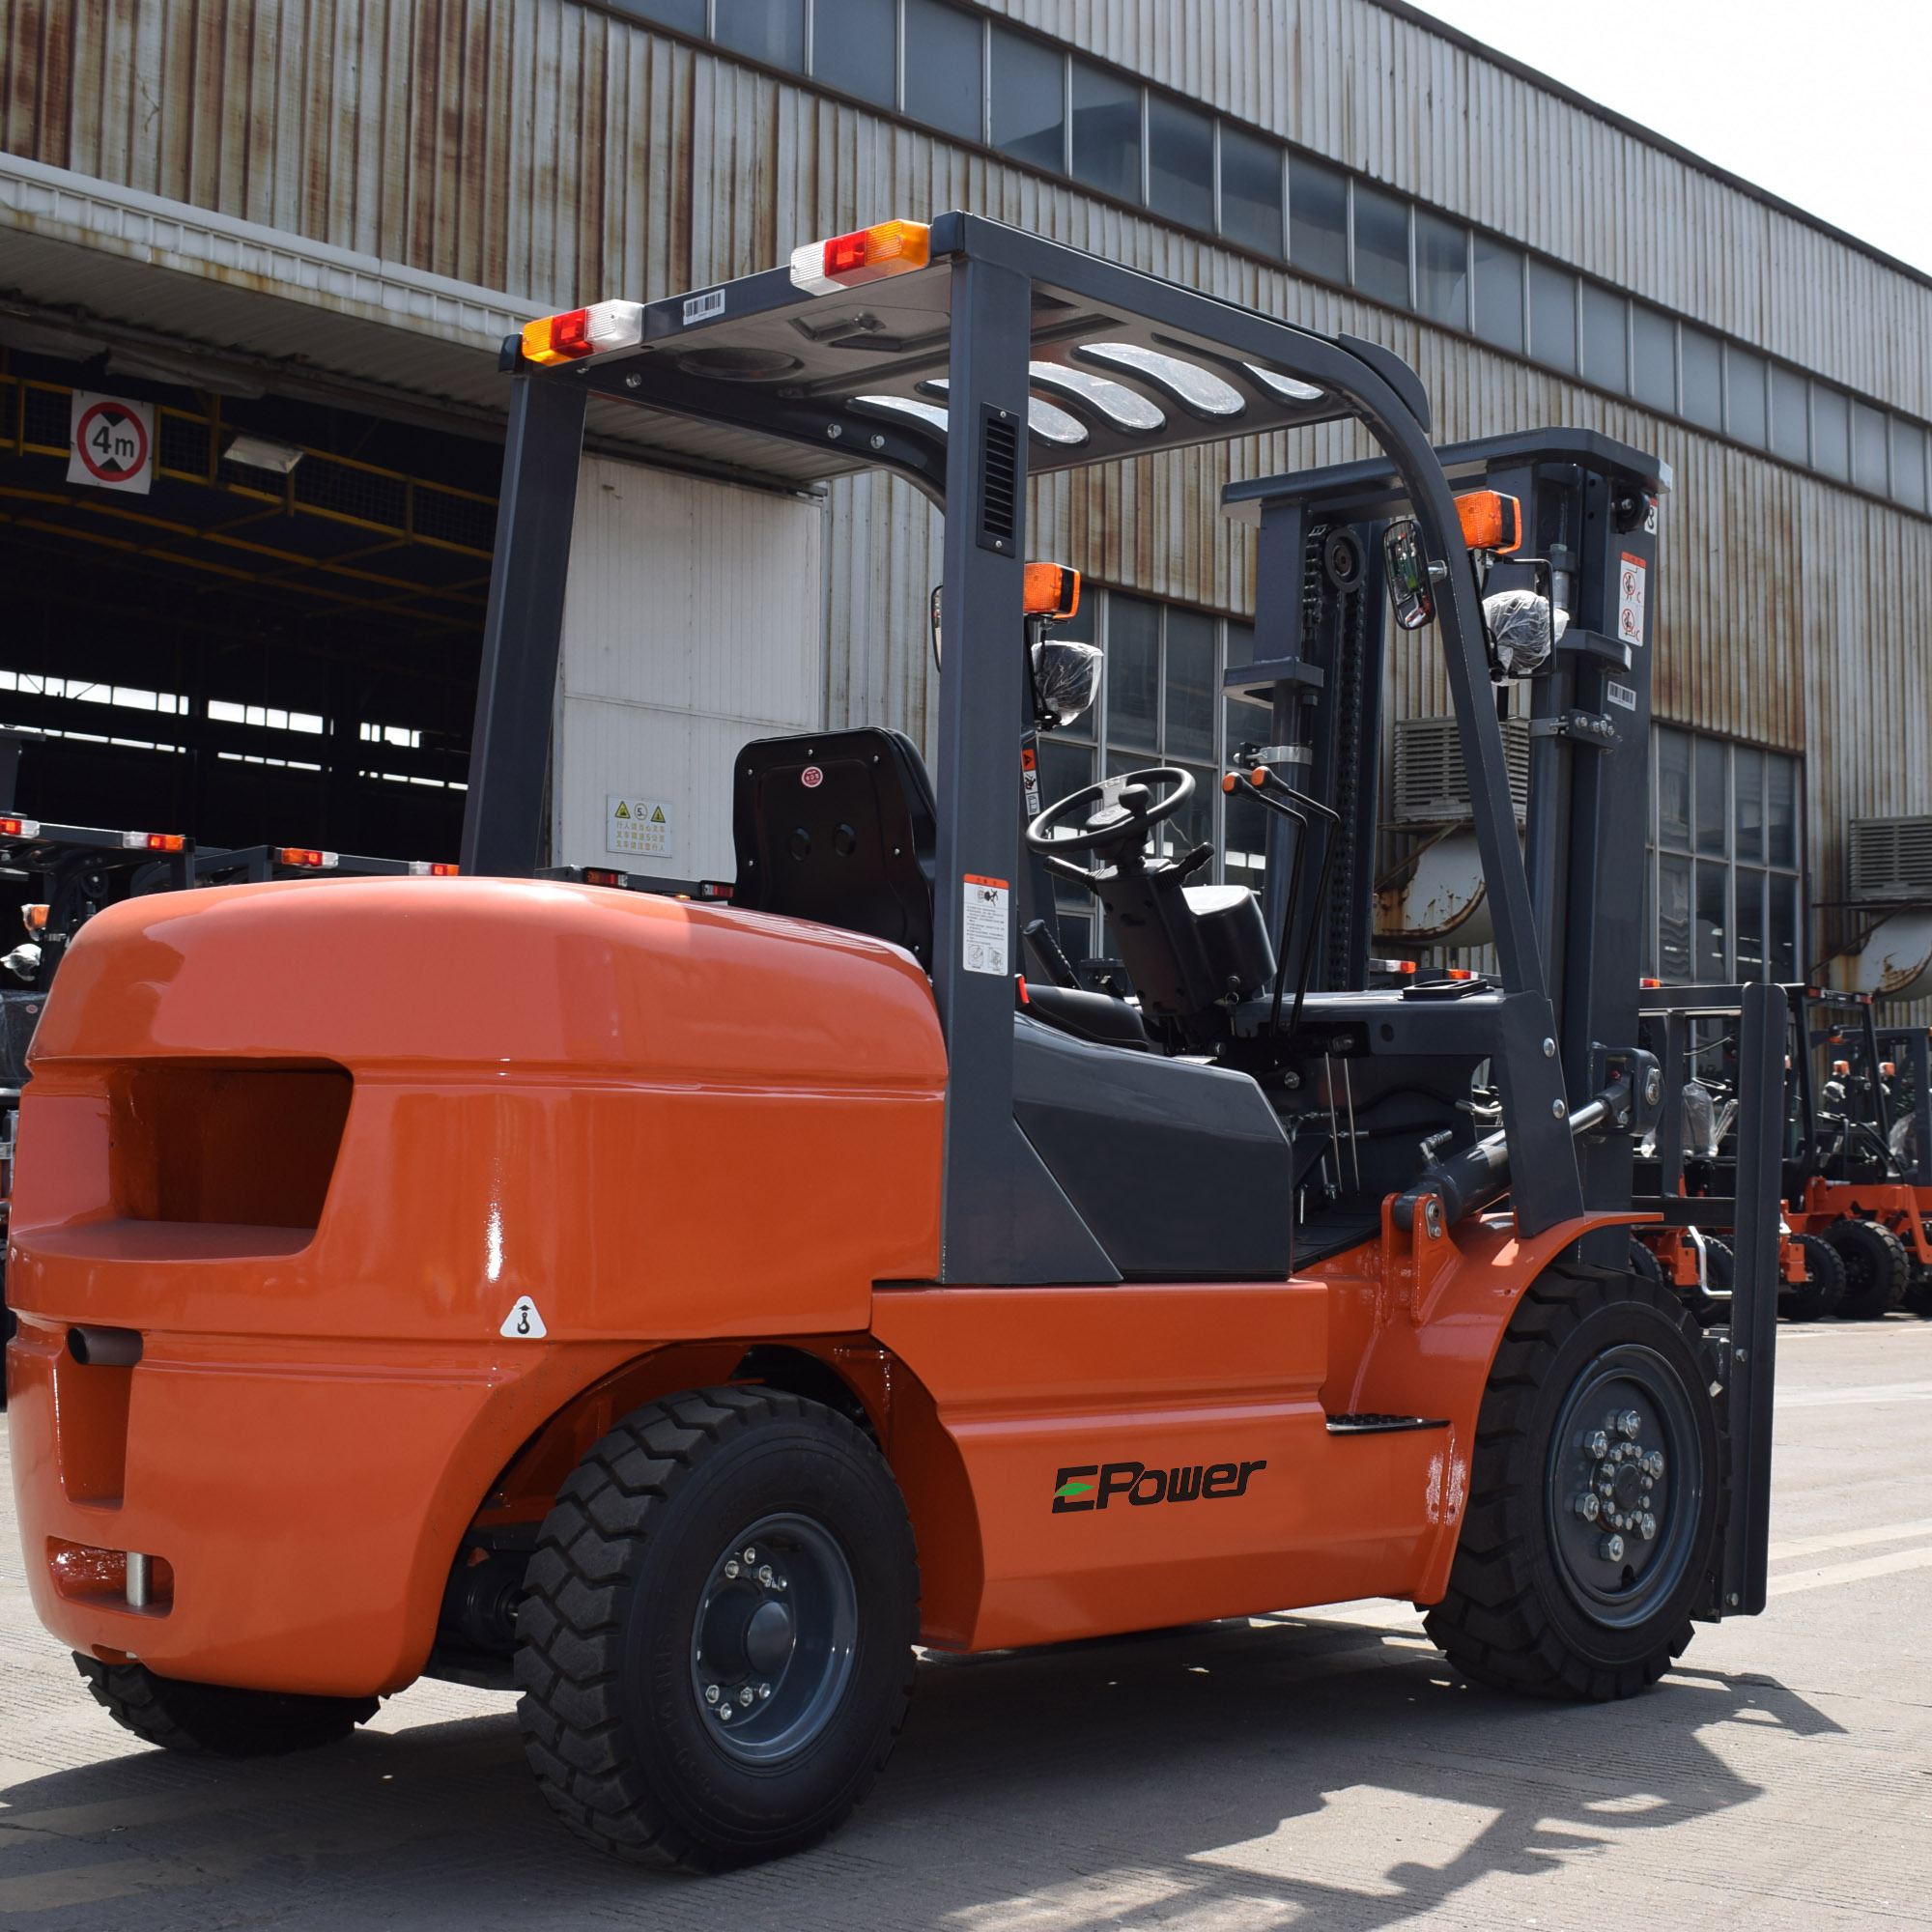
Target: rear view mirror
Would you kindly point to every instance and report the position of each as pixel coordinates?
(1407, 575)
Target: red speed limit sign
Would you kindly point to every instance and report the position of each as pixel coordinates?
(112, 444)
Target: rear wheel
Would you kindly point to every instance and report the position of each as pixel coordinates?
(1823, 1288)
(1596, 1492)
(715, 1644)
(213, 1720)
(1876, 1269)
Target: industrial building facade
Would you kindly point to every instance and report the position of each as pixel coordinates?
(310, 222)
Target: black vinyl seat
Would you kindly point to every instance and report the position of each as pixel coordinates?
(839, 826)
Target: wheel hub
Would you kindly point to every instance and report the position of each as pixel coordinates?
(773, 1640)
(1622, 1515)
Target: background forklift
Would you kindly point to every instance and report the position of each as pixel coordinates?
(996, 1310)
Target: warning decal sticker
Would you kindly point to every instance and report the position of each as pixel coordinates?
(111, 443)
(984, 944)
(639, 827)
(524, 1323)
(1630, 600)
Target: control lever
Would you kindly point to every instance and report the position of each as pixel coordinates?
(1048, 952)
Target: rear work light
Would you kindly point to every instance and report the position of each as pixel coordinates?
(891, 248)
(1491, 521)
(153, 842)
(19, 828)
(307, 856)
(583, 332)
(425, 869)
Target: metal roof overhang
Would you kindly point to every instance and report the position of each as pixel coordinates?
(179, 294)
(929, 373)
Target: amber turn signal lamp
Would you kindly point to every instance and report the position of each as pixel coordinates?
(1052, 591)
(1491, 521)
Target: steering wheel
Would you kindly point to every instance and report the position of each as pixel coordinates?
(1128, 811)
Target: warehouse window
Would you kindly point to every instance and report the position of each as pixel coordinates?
(1499, 294)
(772, 30)
(686, 15)
(1725, 891)
(1160, 703)
(1744, 395)
(1606, 339)
(1251, 173)
(1703, 375)
(1790, 415)
(1552, 317)
(1029, 100)
(1180, 163)
(1106, 132)
(1441, 269)
(1318, 218)
(943, 85)
(1652, 358)
(1869, 461)
(855, 45)
(1831, 432)
(1907, 464)
(1381, 246)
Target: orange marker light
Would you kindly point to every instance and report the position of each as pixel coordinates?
(1461, 973)
(153, 842)
(19, 828)
(1052, 591)
(1887, 1067)
(578, 332)
(34, 918)
(306, 856)
(890, 249)
(599, 875)
(1650, 983)
(1491, 521)
(426, 869)
(1841, 1068)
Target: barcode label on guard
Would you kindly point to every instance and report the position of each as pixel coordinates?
(702, 308)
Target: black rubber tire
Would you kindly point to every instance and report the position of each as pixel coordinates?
(1510, 1616)
(1876, 1269)
(1645, 1265)
(621, 1746)
(1817, 1296)
(1721, 1268)
(213, 1720)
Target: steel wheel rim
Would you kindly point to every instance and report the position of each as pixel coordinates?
(1593, 1451)
(774, 1639)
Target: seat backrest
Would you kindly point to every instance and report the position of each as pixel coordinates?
(839, 826)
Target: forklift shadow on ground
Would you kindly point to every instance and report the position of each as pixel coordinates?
(1172, 1759)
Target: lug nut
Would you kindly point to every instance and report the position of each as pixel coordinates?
(1648, 1527)
(764, 1691)
(1653, 1463)
(725, 1711)
(711, 1694)
(745, 1695)
(751, 1557)
(1596, 1444)
(1630, 1422)
(1612, 1550)
(765, 1574)
(1587, 1507)
(731, 1567)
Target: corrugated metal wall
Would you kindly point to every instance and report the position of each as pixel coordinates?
(559, 153)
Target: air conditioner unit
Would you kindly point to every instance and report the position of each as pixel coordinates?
(1891, 859)
(1431, 785)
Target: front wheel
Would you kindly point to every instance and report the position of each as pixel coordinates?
(1876, 1269)
(1596, 1496)
(715, 1643)
(1823, 1288)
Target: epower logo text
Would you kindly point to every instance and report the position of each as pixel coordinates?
(1094, 1485)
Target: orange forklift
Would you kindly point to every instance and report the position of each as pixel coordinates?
(678, 1311)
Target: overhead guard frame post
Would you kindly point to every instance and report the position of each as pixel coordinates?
(516, 685)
